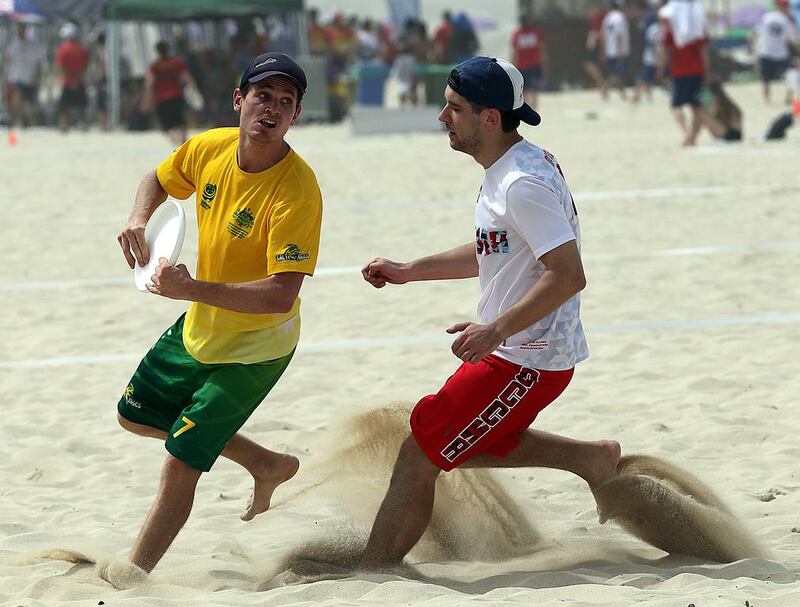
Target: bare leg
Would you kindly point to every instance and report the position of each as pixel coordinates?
(406, 510)
(697, 122)
(594, 73)
(268, 468)
(594, 461)
(168, 513)
(714, 126)
(680, 118)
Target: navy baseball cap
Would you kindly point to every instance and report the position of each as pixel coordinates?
(274, 64)
(493, 82)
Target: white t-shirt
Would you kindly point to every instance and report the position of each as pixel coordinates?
(652, 40)
(616, 35)
(775, 32)
(24, 59)
(524, 210)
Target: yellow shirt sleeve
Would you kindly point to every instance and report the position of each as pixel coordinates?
(176, 173)
(294, 231)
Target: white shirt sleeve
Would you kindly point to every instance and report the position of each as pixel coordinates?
(538, 216)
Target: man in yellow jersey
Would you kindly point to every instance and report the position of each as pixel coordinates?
(259, 211)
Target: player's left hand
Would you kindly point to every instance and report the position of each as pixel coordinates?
(173, 282)
(475, 341)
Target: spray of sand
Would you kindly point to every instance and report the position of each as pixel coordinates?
(672, 510)
(116, 570)
(474, 517)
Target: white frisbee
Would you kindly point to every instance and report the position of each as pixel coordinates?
(164, 234)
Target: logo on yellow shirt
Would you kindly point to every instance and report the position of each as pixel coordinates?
(292, 253)
(209, 192)
(242, 222)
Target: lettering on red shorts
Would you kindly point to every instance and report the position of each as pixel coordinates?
(493, 414)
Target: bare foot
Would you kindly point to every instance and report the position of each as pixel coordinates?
(120, 573)
(266, 483)
(603, 467)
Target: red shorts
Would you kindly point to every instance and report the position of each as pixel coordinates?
(483, 408)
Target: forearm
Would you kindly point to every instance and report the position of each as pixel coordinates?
(459, 262)
(266, 296)
(549, 292)
(149, 195)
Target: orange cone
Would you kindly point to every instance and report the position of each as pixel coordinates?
(12, 138)
(796, 107)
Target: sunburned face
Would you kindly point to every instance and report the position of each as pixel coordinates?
(463, 124)
(268, 109)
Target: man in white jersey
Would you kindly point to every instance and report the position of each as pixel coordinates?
(521, 354)
(616, 39)
(776, 34)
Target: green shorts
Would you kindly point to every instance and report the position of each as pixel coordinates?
(199, 406)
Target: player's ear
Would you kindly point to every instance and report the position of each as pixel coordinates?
(238, 98)
(297, 111)
(491, 118)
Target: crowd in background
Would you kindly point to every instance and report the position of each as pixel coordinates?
(351, 46)
(191, 84)
(672, 48)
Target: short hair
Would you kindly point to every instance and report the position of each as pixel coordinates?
(508, 122)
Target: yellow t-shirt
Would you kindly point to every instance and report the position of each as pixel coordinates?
(250, 226)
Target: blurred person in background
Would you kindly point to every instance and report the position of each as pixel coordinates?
(594, 47)
(72, 61)
(616, 47)
(685, 51)
(441, 40)
(529, 54)
(651, 40)
(163, 93)
(776, 36)
(413, 49)
(23, 57)
(463, 40)
(368, 42)
(317, 35)
(97, 78)
(725, 119)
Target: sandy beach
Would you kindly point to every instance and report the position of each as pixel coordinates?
(692, 313)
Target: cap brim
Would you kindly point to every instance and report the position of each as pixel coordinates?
(527, 115)
(265, 75)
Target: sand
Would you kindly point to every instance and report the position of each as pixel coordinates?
(692, 312)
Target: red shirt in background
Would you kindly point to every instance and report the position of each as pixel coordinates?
(527, 46)
(441, 41)
(596, 20)
(686, 60)
(167, 78)
(73, 59)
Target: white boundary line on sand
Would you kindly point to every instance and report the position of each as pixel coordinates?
(413, 341)
(788, 246)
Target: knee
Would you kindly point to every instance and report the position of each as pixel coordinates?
(127, 424)
(413, 465)
(177, 472)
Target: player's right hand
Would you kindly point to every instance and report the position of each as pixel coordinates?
(379, 272)
(133, 244)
